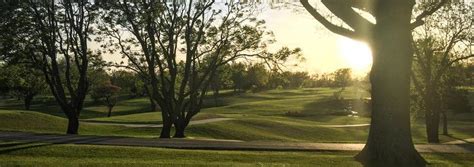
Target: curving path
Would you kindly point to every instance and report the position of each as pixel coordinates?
(130, 125)
(344, 126)
(213, 144)
(204, 121)
(463, 141)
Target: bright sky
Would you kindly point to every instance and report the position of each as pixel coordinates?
(323, 50)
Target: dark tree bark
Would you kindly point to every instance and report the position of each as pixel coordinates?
(180, 126)
(389, 142)
(73, 125)
(167, 124)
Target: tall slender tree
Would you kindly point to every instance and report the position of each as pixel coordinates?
(444, 40)
(60, 34)
(390, 36)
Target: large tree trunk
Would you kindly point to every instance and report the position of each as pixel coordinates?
(389, 142)
(180, 126)
(73, 125)
(167, 124)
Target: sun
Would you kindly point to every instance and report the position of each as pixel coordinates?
(357, 55)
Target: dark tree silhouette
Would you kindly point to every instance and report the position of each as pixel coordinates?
(61, 33)
(389, 142)
(181, 44)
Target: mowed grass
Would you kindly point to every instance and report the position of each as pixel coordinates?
(255, 117)
(39, 154)
(30, 121)
(47, 105)
(246, 129)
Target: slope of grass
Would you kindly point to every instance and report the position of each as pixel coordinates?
(47, 105)
(29, 121)
(256, 116)
(252, 129)
(37, 154)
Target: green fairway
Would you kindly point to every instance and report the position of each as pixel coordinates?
(37, 154)
(30, 121)
(277, 115)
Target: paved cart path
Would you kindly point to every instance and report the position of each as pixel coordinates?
(132, 125)
(213, 144)
(463, 141)
(197, 122)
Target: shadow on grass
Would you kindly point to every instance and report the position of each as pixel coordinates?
(460, 139)
(12, 147)
(28, 141)
(331, 106)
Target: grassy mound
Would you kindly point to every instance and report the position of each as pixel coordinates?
(30, 121)
(17, 120)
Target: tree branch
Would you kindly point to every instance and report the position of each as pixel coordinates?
(419, 19)
(330, 26)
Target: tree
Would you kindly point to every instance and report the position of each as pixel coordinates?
(60, 30)
(129, 82)
(221, 79)
(297, 79)
(22, 82)
(238, 76)
(98, 77)
(108, 94)
(278, 79)
(342, 78)
(257, 77)
(179, 45)
(442, 41)
(389, 142)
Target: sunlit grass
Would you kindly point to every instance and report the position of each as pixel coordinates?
(39, 154)
(255, 117)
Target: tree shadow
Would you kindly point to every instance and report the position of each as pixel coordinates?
(8, 148)
(28, 141)
(460, 139)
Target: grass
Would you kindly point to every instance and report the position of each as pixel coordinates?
(38, 154)
(265, 130)
(29, 121)
(92, 110)
(255, 117)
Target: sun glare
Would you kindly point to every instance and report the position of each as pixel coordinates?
(356, 54)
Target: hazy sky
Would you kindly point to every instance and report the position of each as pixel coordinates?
(323, 50)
